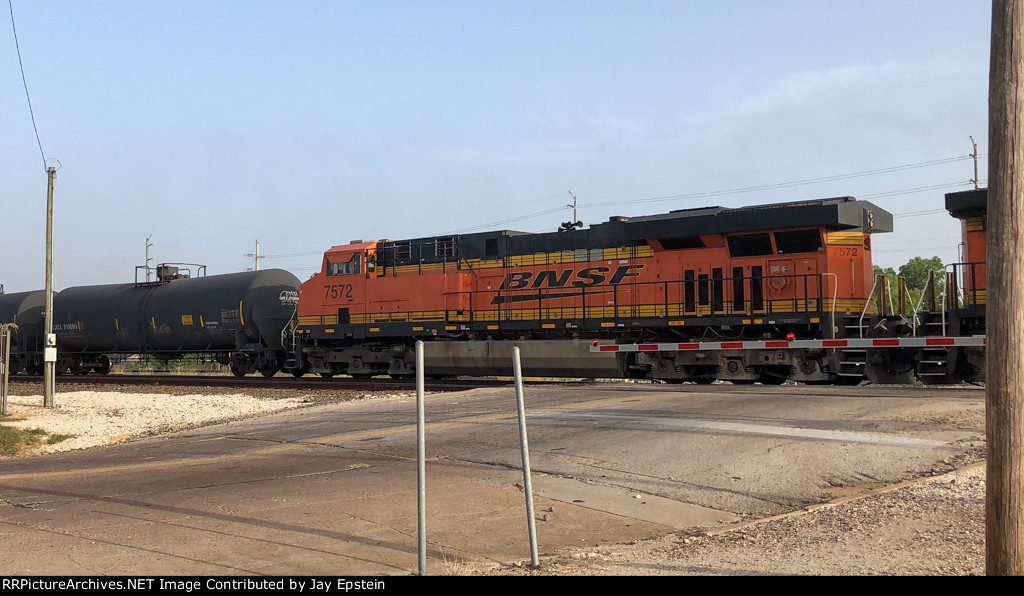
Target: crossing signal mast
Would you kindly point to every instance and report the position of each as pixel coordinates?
(575, 223)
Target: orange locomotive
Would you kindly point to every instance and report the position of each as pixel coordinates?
(965, 288)
(971, 208)
(767, 271)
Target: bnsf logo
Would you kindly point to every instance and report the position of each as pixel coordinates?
(584, 278)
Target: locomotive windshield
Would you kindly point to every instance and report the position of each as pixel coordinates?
(350, 267)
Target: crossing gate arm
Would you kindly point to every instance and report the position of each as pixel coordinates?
(782, 344)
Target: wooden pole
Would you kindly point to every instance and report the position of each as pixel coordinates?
(1005, 310)
(49, 351)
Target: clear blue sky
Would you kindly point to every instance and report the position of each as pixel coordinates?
(306, 124)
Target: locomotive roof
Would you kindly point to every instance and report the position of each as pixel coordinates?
(834, 213)
(967, 203)
(839, 213)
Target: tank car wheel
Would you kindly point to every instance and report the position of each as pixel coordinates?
(269, 369)
(104, 366)
(329, 375)
(361, 376)
(60, 367)
(236, 370)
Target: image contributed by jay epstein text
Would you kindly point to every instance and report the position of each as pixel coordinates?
(310, 585)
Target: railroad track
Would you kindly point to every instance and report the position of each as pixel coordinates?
(281, 382)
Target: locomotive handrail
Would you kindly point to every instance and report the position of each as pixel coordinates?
(835, 295)
(867, 302)
(929, 285)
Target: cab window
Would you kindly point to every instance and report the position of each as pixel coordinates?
(351, 267)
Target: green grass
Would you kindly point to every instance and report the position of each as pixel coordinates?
(16, 440)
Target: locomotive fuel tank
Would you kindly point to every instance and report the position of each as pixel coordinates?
(25, 309)
(218, 313)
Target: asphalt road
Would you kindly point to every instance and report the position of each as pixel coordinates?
(332, 490)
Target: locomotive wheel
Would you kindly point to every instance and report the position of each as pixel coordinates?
(772, 376)
(939, 380)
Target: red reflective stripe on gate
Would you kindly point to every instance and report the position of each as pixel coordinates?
(940, 341)
(885, 342)
(609, 348)
(647, 347)
(731, 345)
(688, 347)
(776, 344)
(834, 343)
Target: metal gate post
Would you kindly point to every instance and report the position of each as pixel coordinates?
(421, 464)
(525, 448)
(5, 361)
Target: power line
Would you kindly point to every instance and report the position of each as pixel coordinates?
(808, 181)
(749, 189)
(909, 191)
(918, 213)
(24, 82)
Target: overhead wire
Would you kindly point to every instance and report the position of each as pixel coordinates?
(791, 184)
(24, 82)
(748, 189)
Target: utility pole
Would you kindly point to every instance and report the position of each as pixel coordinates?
(974, 154)
(49, 340)
(256, 256)
(148, 244)
(1004, 390)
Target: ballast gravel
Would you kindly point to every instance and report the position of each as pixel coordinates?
(94, 418)
(99, 418)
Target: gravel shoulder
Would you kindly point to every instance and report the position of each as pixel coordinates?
(931, 526)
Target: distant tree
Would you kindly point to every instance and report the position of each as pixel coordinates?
(915, 272)
(888, 272)
(917, 269)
